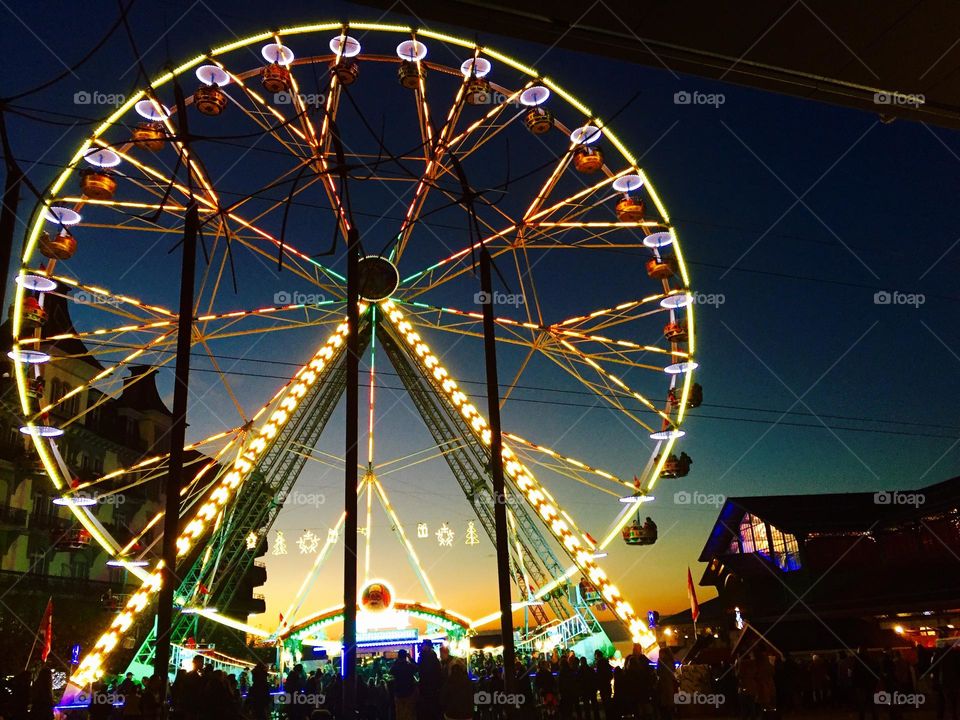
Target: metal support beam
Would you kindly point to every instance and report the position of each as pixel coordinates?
(178, 431)
(351, 455)
(496, 473)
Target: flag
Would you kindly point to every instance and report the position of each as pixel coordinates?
(692, 596)
(46, 627)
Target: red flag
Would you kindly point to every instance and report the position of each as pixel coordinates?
(46, 627)
(692, 596)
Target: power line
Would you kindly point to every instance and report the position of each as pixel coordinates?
(605, 406)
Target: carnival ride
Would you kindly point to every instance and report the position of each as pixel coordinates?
(130, 186)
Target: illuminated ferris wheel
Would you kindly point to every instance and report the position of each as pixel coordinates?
(283, 158)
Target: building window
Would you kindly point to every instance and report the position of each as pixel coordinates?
(94, 397)
(80, 570)
(753, 537)
(37, 562)
(43, 507)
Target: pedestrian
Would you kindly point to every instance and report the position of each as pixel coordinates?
(747, 686)
(100, 706)
(864, 682)
(41, 696)
(431, 681)
(150, 699)
(569, 688)
(947, 677)
(404, 687)
(20, 696)
(666, 692)
(456, 695)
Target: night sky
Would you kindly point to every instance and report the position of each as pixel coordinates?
(795, 214)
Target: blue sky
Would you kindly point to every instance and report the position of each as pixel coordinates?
(796, 214)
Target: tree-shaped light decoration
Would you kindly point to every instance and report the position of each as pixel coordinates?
(280, 544)
(472, 537)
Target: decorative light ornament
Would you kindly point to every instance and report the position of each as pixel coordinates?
(213, 75)
(677, 300)
(423, 531)
(38, 283)
(678, 368)
(280, 544)
(347, 47)
(332, 535)
(628, 183)
(636, 498)
(445, 536)
(102, 158)
(152, 110)
(41, 430)
(252, 540)
(59, 679)
(78, 500)
(658, 239)
(308, 543)
(30, 357)
(667, 434)
(61, 215)
(277, 53)
(586, 135)
(120, 562)
(476, 67)
(471, 537)
(533, 96)
(411, 50)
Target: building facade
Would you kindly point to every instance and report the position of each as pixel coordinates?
(44, 553)
(840, 570)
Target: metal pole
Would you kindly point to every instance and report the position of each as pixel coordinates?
(178, 431)
(348, 658)
(496, 472)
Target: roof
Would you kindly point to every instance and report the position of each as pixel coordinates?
(711, 612)
(818, 634)
(140, 391)
(815, 50)
(58, 322)
(827, 513)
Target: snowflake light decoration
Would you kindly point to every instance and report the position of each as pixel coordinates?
(445, 536)
(308, 542)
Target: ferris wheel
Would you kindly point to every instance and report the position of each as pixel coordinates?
(430, 147)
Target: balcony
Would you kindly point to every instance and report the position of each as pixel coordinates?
(37, 583)
(12, 517)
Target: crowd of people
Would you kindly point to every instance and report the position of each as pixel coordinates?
(891, 682)
(555, 686)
